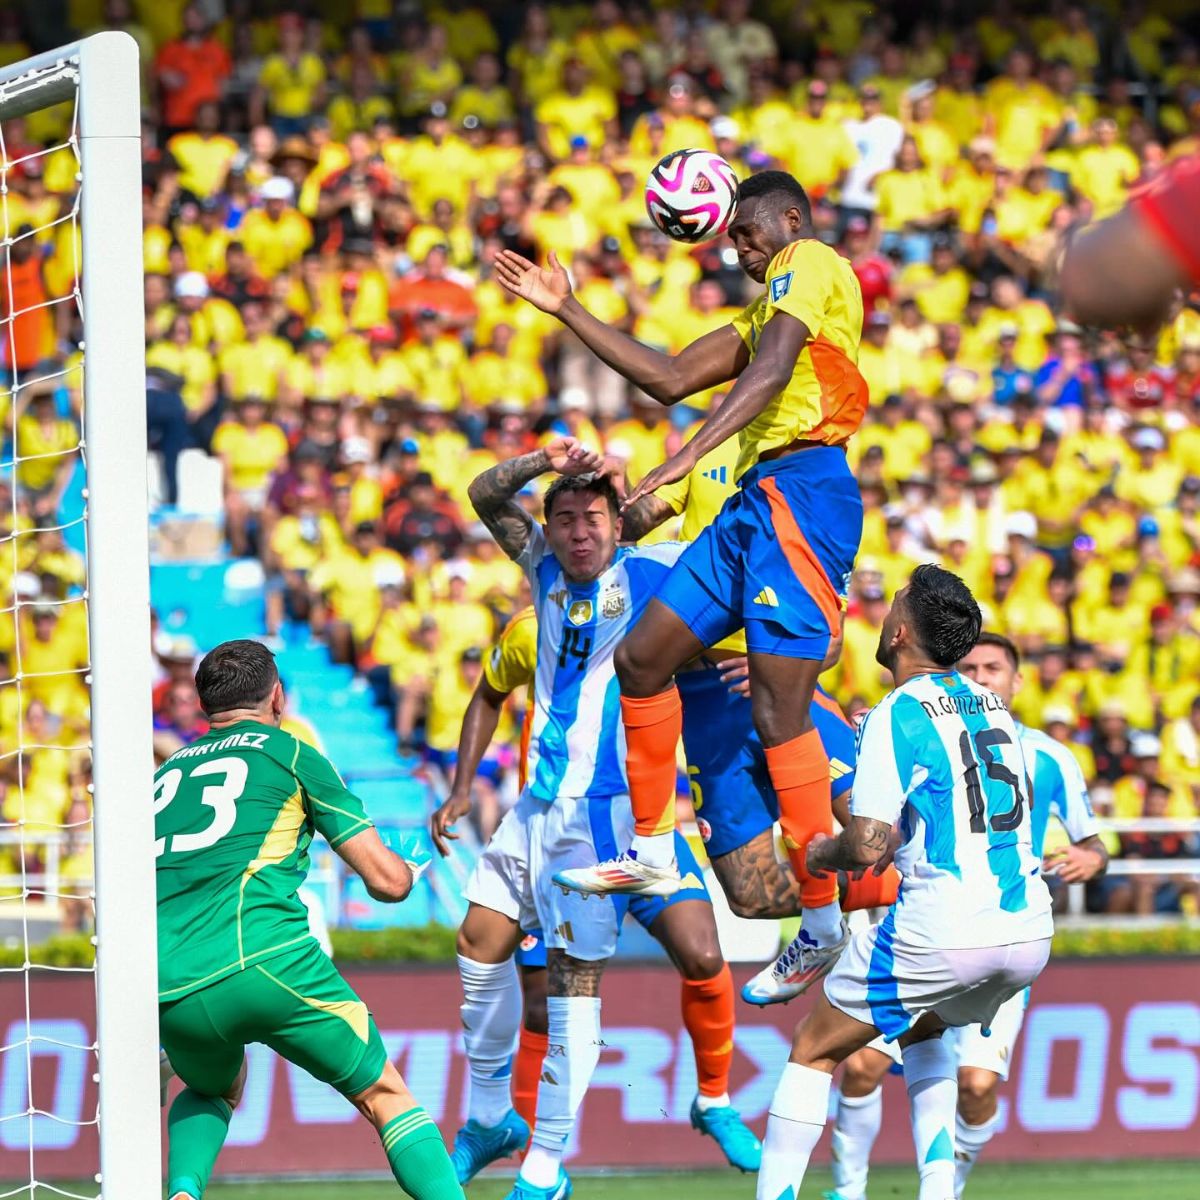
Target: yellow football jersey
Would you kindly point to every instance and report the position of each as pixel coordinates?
(826, 397)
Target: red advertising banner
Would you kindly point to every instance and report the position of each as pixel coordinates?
(1108, 1066)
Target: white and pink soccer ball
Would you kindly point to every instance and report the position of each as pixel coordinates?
(691, 195)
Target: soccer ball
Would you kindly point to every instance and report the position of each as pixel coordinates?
(691, 195)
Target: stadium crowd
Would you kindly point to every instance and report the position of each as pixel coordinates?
(325, 195)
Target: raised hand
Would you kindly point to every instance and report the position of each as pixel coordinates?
(569, 456)
(673, 470)
(544, 287)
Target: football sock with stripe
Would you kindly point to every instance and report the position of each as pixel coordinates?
(794, 1126)
(572, 1052)
(491, 1018)
(708, 1006)
(196, 1130)
(417, 1155)
(969, 1141)
(527, 1070)
(799, 772)
(931, 1077)
(653, 726)
(872, 891)
(859, 1119)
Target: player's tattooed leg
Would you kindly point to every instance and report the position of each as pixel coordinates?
(573, 976)
(755, 882)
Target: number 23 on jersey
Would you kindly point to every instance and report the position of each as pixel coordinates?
(228, 781)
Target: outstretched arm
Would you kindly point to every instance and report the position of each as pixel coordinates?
(493, 494)
(783, 338)
(478, 728)
(715, 358)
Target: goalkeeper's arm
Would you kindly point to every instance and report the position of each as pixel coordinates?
(478, 729)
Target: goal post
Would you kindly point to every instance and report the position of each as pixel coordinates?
(100, 73)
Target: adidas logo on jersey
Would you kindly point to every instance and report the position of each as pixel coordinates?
(837, 768)
(767, 596)
(716, 474)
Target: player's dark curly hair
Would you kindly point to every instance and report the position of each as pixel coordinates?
(237, 674)
(987, 638)
(596, 485)
(778, 185)
(943, 614)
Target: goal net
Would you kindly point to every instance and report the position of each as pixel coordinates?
(78, 1043)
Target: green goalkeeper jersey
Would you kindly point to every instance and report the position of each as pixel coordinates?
(234, 814)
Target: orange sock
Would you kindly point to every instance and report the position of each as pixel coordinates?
(653, 725)
(872, 891)
(527, 1070)
(800, 774)
(708, 1017)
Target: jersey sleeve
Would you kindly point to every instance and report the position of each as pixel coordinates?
(799, 283)
(880, 795)
(513, 659)
(1168, 206)
(536, 549)
(675, 495)
(335, 810)
(1069, 801)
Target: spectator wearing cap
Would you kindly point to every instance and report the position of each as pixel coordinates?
(239, 282)
(356, 459)
(1008, 376)
(251, 449)
(935, 140)
(591, 183)
(291, 86)
(877, 137)
(276, 235)
(190, 70)
(313, 372)
(345, 593)
(1153, 482)
(822, 152)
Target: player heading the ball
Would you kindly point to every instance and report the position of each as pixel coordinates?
(777, 558)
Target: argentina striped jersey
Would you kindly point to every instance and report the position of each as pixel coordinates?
(941, 760)
(1059, 788)
(577, 743)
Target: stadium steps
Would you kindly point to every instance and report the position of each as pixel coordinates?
(212, 601)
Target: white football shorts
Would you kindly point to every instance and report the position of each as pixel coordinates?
(992, 1053)
(881, 981)
(514, 875)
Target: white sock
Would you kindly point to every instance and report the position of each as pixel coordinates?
(491, 1017)
(571, 1057)
(859, 1119)
(931, 1076)
(969, 1141)
(704, 1103)
(654, 849)
(824, 924)
(794, 1126)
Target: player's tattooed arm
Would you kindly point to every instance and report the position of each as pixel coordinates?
(646, 515)
(863, 843)
(493, 494)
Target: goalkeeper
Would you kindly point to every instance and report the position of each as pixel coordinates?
(235, 813)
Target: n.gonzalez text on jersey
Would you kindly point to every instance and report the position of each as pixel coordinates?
(244, 741)
(966, 705)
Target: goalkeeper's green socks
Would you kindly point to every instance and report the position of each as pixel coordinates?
(418, 1158)
(196, 1131)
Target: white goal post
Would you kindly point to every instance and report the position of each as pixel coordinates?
(101, 74)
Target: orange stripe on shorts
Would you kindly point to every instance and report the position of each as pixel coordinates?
(800, 555)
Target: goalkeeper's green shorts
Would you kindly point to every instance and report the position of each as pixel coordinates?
(298, 1004)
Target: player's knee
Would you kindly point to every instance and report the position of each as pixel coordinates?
(637, 672)
(976, 1095)
(701, 960)
(777, 720)
(861, 1075)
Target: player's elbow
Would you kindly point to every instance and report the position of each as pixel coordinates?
(390, 882)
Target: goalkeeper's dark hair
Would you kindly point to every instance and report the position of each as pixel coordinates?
(987, 638)
(944, 616)
(777, 186)
(237, 674)
(594, 484)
